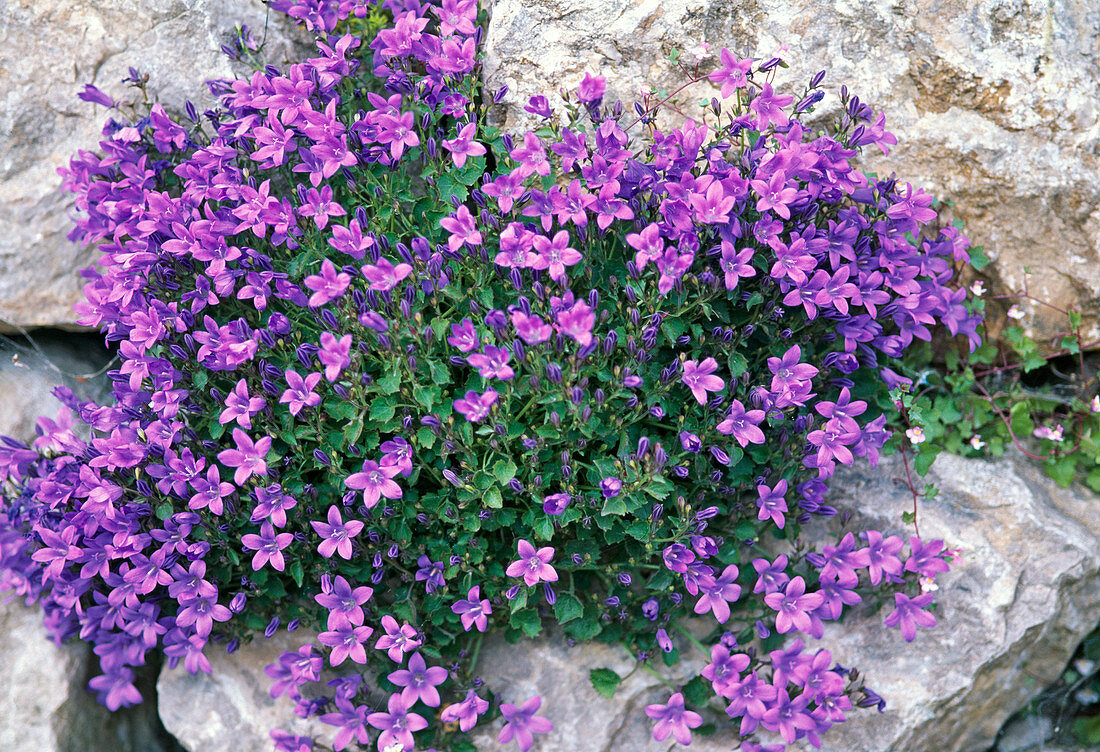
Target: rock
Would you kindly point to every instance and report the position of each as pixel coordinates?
(177, 42)
(1027, 733)
(1024, 593)
(231, 710)
(41, 684)
(29, 372)
(994, 102)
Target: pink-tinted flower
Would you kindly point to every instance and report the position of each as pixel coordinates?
(239, 406)
(673, 718)
(335, 354)
(462, 226)
(576, 322)
(742, 424)
(492, 363)
(299, 393)
(533, 565)
(336, 534)
(375, 481)
(473, 610)
(328, 285)
(554, 255)
(909, 613)
(419, 682)
(531, 329)
(699, 379)
(346, 641)
(268, 546)
(464, 145)
(397, 640)
(384, 275)
(591, 88)
(794, 606)
(733, 73)
(474, 406)
(521, 723)
(397, 725)
(772, 503)
(248, 458)
(465, 713)
(717, 595)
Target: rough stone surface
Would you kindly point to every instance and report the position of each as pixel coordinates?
(41, 684)
(231, 709)
(994, 102)
(48, 50)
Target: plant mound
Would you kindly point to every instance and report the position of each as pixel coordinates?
(390, 375)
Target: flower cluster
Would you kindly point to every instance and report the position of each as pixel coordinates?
(391, 375)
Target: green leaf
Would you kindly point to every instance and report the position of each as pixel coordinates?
(567, 608)
(604, 681)
(493, 499)
(382, 409)
(389, 383)
(519, 601)
(504, 470)
(615, 505)
(697, 691)
(164, 511)
(1062, 469)
(924, 460)
(527, 621)
(297, 573)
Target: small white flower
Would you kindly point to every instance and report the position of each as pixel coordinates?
(1017, 313)
(976, 441)
(701, 52)
(1095, 404)
(916, 434)
(978, 288)
(928, 585)
(395, 747)
(645, 90)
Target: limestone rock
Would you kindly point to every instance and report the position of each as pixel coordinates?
(994, 102)
(231, 709)
(48, 50)
(41, 684)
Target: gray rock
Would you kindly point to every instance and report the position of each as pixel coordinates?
(231, 710)
(41, 684)
(48, 50)
(994, 102)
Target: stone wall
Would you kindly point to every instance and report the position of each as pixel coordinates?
(994, 102)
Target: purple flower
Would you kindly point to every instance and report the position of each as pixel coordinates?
(375, 481)
(240, 407)
(492, 363)
(463, 336)
(556, 503)
(794, 606)
(345, 601)
(724, 670)
(430, 573)
(473, 610)
(733, 73)
(533, 565)
(337, 534)
(300, 392)
(419, 682)
(742, 424)
(718, 595)
(699, 379)
(346, 641)
(268, 546)
(591, 89)
(475, 407)
(397, 725)
(397, 640)
(464, 145)
(576, 322)
(335, 354)
(673, 718)
(909, 613)
(531, 329)
(328, 285)
(772, 502)
(610, 487)
(522, 724)
(248, 457)
(465, 713)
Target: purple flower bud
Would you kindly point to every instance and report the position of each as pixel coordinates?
(624, 579)
(690, 442)
(762, 630)
(553, 372)
(515, 485)
(272, 627)
(549, 594)
(657, 511)
(643, 446)
(512, 592)
(612, 601)
(321, 457)
(236, 605)
(660, 456)
(651, 608)
(663, 641)
(719, 455)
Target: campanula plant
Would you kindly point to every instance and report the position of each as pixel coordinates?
(397, 377)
